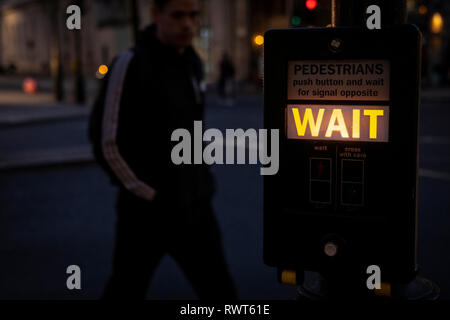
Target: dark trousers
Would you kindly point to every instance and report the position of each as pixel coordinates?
(145, 231)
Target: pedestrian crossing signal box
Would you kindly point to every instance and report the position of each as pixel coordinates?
(345, 101)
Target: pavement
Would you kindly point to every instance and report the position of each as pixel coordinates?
(24, 110)
(11, 115)
(19, 109)
(435, 94)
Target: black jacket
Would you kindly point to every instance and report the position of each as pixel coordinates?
(160, 93)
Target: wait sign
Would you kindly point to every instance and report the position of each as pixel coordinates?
(338, 122)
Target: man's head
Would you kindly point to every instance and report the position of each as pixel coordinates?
(176, 21)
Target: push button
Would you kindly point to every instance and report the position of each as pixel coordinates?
(333, 245)
(330, 249)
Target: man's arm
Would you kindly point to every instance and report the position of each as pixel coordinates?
(95, 126)
(105, 121)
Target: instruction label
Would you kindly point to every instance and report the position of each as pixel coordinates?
(362, 80)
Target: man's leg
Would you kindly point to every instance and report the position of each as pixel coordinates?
(198, 251)
(137, 251)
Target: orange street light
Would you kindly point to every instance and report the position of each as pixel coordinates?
(258, 40)
(423, 9)
(437, 23)
(103, 69)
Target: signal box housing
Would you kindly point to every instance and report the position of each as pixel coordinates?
(346, 103)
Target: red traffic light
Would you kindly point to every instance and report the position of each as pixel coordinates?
(311, 4)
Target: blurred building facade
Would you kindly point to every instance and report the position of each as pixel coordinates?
(34, 38)
(433, 19)
(34, 34)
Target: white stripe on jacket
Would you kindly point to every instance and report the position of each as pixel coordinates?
(109, 131)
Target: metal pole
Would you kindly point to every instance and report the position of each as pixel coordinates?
(79, 79)
(1, 51)
(79, 86)
(134, 20)
(55, 51)
(333, 13)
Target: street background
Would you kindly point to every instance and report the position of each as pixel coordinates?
(57, 205)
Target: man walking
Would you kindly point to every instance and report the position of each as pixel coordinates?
(162, 208)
